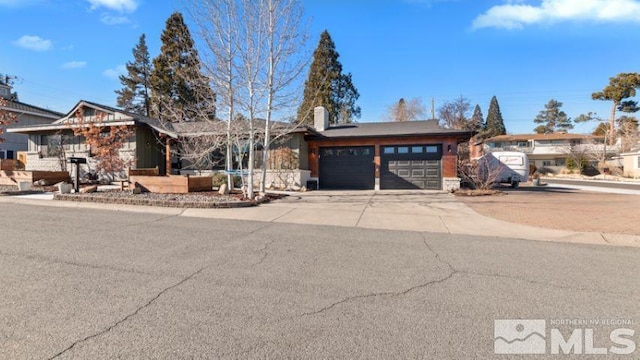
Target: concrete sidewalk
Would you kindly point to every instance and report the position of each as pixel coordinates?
(424, 211)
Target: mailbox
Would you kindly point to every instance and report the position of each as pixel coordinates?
(77, 160)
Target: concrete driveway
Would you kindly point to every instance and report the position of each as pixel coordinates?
(424, 211)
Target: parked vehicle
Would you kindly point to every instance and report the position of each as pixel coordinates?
(505, 167)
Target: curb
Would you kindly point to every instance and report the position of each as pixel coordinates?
(151, 202)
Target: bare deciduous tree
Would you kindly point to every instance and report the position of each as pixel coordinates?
(404, 110)
(253, 58)
(455, 114)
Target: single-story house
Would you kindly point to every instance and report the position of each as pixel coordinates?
(27, 115)
(384, 155)
(398, 155)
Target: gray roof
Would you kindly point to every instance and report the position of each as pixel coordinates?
(18, 106)
(389, 129)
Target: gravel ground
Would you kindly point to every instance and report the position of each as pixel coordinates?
(207, 196)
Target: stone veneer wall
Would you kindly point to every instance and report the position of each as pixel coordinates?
(37, 163)
(450, 184)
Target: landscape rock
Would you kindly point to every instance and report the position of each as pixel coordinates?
(64, 188)
(224, 189)
(136, 191)
(89, 189)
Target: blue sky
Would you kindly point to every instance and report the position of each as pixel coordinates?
(523, 51)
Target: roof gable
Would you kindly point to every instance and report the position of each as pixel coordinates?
(92, 111)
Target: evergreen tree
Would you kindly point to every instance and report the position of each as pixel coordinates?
(495, 123)
(552, 119)
(477, 120)
(134, 96)
(180, 91)
(327, 86)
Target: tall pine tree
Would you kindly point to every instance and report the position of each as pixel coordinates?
(327, 86)
(135, 94)
(495, 123)
(552, 119)
(477, 120)
(180, 91)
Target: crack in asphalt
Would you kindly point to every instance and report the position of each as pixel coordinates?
(452, 272)
(129, 316)
(264, 252)
(49, 260)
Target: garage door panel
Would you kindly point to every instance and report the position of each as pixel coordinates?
(415, 170)
(347, 167)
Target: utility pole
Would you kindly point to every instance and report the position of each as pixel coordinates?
(433, 109)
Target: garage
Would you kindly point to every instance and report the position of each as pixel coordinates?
(411, 167)
(345, 167)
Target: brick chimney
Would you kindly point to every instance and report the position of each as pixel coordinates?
(320, 118)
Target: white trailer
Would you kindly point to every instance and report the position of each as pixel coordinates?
(506, 167)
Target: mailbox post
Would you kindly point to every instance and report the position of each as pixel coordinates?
(77, 161)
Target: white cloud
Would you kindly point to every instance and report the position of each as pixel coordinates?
(118, 5)
(34, 43)
(115, 72)
(114, 20)
(517, 14)
(74, 65)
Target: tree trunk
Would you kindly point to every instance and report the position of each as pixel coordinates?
(612, 122)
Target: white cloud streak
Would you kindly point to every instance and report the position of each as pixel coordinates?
(518, 14)
(117, 5)
(74, 65)
(114, 20)
(32, 42)
(114, 73)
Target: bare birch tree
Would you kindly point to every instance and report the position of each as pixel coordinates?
(217, 22)
(253, 60)
(285, 38)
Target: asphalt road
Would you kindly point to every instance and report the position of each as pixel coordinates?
(90, 284)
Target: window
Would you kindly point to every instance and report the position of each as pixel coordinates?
(523, 144)
(417, 149)
(637, 162)
(389, 150)
(546, 163)
(364, 151)
(432, 149)
(561, 162)
(403, 149)
(51, 145)
(4, 92)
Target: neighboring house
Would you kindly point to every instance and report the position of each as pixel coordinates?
(50, 145)
(550, 151)
(631, 163)
(391, 155)
(27, 115)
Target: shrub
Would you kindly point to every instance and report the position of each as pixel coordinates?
(221, 178)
